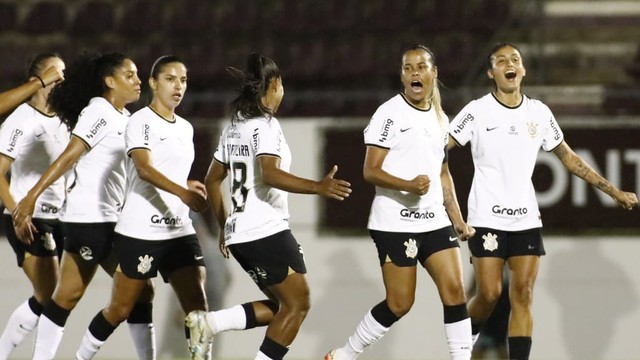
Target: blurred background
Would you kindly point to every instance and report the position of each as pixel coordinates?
(341, 60)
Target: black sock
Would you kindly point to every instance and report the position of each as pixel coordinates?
(250, 313)
(519, 347)
(35, 306)
(455, 313)
(272, 349)
(100, 327)
(142, 313)
(56, 314)
(383, 314)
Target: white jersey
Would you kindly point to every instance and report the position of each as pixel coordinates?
(416, 142)
(258, 210)
(33, 141)
(504, 144)
(96, 192)
(151, 213)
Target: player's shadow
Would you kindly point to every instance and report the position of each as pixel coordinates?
(594, 293)
(348, 297)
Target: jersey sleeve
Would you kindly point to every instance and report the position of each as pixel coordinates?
(14, 132)
(91, 127)
(267, 138)
(381, 131)
(462, 126)
(138, 134)
(220, 155)
(552, 136)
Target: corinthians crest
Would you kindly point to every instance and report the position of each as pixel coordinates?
(490, 243)
(412, 249)
(145, 264)
(532, 129)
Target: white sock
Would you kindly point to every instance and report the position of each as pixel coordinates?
(144, 338)
(368, 332)
(459, 339)
(88, 347)
(261, 356)
(19, 326)
(48, 338)
(233, 318)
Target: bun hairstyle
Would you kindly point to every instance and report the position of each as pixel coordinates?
(84, 79)
(254, 82)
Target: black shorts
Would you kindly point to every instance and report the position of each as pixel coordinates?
(142, 259)
(92, 241)
(406, 249)
(269, 259)
(46, 243)
(505, 244)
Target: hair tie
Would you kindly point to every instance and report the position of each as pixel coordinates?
(41, 81)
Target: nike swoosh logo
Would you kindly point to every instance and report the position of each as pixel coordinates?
(453, 238)
(403, 130)
(196, 257)
(493, 128)
(164, 138)
(38, 135)
(120, 132)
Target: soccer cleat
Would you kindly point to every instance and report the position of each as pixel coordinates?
(333, 355)
(200, 335)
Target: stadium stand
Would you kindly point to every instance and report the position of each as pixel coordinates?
(333, 46)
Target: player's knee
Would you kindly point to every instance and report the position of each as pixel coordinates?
(400, 305)
(454, 295)
(521, 293)
(490, 294)
(116, 314)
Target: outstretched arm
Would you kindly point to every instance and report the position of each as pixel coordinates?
(577, 166)
(329, 187)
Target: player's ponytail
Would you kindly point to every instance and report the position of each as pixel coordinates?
(254, 82)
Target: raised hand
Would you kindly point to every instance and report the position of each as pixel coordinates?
(334, 188)
(52, 74)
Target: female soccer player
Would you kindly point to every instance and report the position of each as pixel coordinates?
(31, 138)
(154, 233)
(413, 209)
(254, 151)
(506, 130)
(92, 102)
